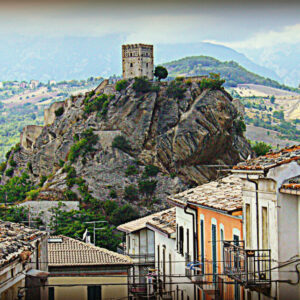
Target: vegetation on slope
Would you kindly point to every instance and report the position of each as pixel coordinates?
(231, 71)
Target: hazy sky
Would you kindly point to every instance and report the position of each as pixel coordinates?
(238, 24)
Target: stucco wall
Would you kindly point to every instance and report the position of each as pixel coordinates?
(80, 292)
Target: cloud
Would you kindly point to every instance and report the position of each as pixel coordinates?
(288, 35)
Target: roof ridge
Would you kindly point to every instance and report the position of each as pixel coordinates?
(96, 248)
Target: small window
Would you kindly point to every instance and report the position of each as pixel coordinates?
(94, 292)
(51, 293)
(147, 65)
(248, 226)
(131, 65)
(181, 237)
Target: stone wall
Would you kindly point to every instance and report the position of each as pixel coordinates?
(49, 113)
(29, 136)
(38, 207)
(137, 60)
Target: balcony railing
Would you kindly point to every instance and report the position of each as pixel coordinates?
(251, 268)
(139, 258)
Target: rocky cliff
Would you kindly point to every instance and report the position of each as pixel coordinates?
(181, 133)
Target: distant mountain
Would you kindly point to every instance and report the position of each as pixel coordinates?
(65, 58)
(231, 71)
(176, 51)
(283, 59)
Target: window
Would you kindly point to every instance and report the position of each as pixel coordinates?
(248, 226)
(187, 241)
(51, 293)
(221, 243)
(94, 292)
(202, 243)
(265, 240)
(214, 247)
(181, 236)
(164, 267)
(131, 65)
(177, 237)
(147, 65)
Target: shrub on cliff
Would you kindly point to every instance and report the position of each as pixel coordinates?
(121, 85)
(131, 192)
(97, 104)
(213, 82)
(150, 170)
(121, 143)
(147, 186)
(59, 111)
(141, 85)
(83, 146)
(175, 90)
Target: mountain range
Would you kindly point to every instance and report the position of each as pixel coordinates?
(66, 58)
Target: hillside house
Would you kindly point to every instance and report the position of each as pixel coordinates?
(23, 262)
(271, 205)
(171, 279)
(140, 246)
(205, 217)
(81, 271)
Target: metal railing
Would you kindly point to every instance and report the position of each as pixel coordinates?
(249, 267)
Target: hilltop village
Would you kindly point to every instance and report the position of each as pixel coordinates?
(144, 189)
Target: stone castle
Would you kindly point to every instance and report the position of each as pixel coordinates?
(137, 61)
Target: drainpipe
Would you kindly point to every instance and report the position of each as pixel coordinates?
(257, 209)
(195, 237)
(195, 231)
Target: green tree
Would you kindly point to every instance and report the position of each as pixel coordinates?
(160, 72)
(72, 224)
(272, 99)
(261, 148)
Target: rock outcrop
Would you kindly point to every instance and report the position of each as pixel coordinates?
(184, 138)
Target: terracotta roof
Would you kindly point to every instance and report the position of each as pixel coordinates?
(71, 252)
(166, 222)
(224, 194)
(292, 186)
(271, 159)
(17, 241)
(138, 224)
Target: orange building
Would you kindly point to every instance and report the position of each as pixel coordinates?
(218, 211)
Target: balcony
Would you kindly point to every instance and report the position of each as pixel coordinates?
(252, 268)
(148, 258)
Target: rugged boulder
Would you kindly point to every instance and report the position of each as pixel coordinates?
(183, 137)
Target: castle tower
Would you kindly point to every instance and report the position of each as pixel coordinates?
(137, 61)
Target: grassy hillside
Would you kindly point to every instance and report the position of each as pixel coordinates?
(231, 71)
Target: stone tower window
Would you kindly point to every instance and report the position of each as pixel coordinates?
(131, 65)
(147, 65)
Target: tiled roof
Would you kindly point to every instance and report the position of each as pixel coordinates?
(224, 194)
(138, 224)
(271, 159)
(16, 241)
(292, 186)
(166, 222)
(71, 252)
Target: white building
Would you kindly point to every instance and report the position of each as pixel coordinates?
(174, 280)
(140, 246)
(271, 205)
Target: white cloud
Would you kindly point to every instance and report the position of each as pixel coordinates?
(288, 35)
